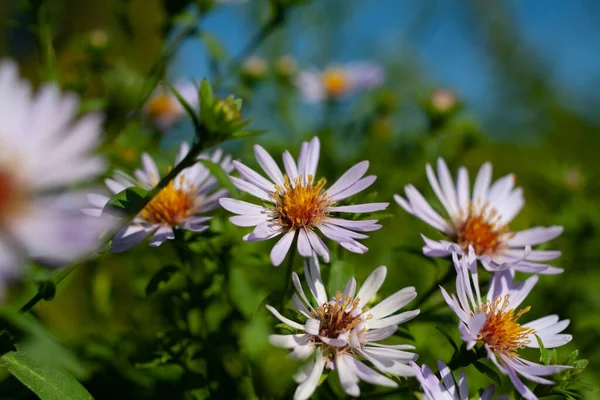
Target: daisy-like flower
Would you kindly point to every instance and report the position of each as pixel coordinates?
(495, 323)
(298, 204)
(163, 109)
(178, 206)
(338, 81)
(480, 220)
(336, 331)
(44, 148)
(447, 389)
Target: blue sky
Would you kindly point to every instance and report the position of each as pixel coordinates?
(564, 34)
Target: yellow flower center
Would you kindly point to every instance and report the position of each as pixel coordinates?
(171, 206)
(501, 332)
(11, 195)
(335, 82)
(338, 317)
(480, 232)
(162, 105)
(299, 205)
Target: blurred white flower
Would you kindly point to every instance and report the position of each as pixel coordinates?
(193, 191)
(298, 204)
(480, 221)
(494, 323)
(339, 330)
(163, 109)
(447, 389)
(44, 148)
(338, 81)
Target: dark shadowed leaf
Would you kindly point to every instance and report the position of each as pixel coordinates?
(163, 275)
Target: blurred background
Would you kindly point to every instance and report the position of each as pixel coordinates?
(512, 82)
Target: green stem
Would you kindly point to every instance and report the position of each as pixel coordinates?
(288, 274)
(433, 289)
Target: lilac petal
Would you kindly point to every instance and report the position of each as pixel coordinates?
(369, 375)
(264, 231)
(482, 184)
(163, 234)
(371, 285)
(291, 169)
(285, 320)
(359, 208)
(359, 226)
(318, 246)
(534, 236)
(281, 248)
(250, 188)
(349, 178)
(241, 207)
(289, 341)
(312, 159)
(304, 247)
(462, 186)
(354, 246)
(128, 236)
(355, 188)
(150, 168)
(268, 165)
(393, 303)
(248, 220)
(253, 177)
(347, 374)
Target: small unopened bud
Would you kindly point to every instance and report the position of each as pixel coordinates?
(286, 67)
(228, 109)
(98, 39)
(254, 68)
(443, 101)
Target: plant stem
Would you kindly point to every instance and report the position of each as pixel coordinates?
(288, 273)
(433, 289)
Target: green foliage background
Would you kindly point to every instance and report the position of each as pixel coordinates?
(187, 320)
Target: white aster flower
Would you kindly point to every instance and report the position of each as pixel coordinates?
(480, 220)
(494, 323)
(339, 330)
(298, 204)
(338, 81)
(447, 389)
(44, 148)
(164, 109)
(178, 206)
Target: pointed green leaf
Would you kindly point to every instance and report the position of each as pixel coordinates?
(545, 355)
(220, 175)
(129, 201)
(487, 371)
(193, 114)
(48, 382)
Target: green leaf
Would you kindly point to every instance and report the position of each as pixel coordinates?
(448, 337)
(242, 292)
(545, 355)
(193, 114)
(214, 48)
(487, 371)
(207, 97)
(129, 201)
(339, 275)
(247, 133)
(163, 275)
(220, 175)
(48, 382)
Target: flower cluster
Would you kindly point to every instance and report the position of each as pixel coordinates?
(347, 330)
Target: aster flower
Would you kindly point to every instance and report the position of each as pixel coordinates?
(338, 81)
(164, 109)
(447, 389)
(481, 221)
(298, 203)
(193, 191)
(44, 148)
(494, 323)
(336, 332)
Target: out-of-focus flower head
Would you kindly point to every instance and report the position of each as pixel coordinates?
(44, 148)
(339, 329)
(178, 206)
(338, 81)
(286, 67)
(164, 109)
(295, 204)
(479, 221)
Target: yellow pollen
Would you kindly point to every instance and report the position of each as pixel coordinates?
(161, 105)
(171, 206)
(501, 332)
(300, 205)
(480, 232)
(338, 317)
(335, 82)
